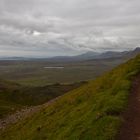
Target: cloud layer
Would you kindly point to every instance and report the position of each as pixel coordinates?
(45, 28)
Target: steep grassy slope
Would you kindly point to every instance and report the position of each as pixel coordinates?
(91, 112)
(14, 96)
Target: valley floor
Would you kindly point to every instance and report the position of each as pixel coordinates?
(131, 128)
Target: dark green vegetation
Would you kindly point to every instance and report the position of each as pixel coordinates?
(14, 96)
(33, 72)
(91, 112)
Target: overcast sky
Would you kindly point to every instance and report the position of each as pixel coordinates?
(44, 28)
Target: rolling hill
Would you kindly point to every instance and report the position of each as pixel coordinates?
(91, 112)
(14, 96)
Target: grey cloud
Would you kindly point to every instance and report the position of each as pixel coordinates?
(60, 27)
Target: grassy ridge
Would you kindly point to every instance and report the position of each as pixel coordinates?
(91, 112)
(14, 96)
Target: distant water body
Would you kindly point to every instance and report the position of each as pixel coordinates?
(54, 67)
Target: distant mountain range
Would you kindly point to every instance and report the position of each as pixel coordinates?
(113, 54)
(16, 58)
(95, 55)
(85, 56)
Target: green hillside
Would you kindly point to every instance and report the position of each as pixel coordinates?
(91, 112)
(6, 104)
(14, 96)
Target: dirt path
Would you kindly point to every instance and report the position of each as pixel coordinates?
(22, 114)
(131, 128)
